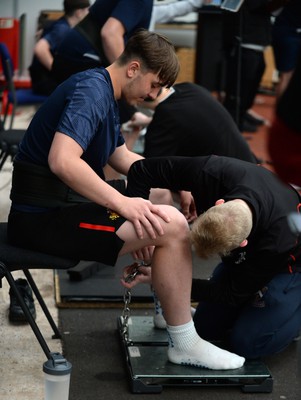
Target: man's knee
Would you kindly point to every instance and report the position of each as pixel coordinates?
(178, 225)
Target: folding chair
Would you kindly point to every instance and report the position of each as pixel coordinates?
(9, 143)
(14, 258)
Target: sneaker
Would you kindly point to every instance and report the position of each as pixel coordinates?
(254, 120)
(246, 126)
(15, 311)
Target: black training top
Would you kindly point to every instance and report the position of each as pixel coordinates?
(210, 178)
(191, 122)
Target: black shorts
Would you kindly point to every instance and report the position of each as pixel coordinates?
(86, 231)
(286, 47)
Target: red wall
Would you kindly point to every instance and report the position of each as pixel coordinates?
(9, 34)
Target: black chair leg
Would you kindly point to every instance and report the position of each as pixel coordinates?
(12, 117)
(6, 112)
(57, 334)
(4, 271)
(2, 160)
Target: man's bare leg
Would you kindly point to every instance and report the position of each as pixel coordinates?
(171, 279)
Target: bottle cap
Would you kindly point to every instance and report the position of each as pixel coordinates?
(57, 365)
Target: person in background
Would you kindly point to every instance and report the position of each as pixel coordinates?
(42, 78)
(246, 35)
(252, 302)
(101, 36)
(163, 13)
(285, 133)
(286, 35)
(188, 121)
(62, 204)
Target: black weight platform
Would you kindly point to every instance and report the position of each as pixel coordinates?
(145, 350)
(94, 284)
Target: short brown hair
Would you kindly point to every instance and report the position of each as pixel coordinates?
(156, 53)
(221, 229)
(70, 6)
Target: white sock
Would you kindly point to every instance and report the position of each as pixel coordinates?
(187, 348)
(159, 320)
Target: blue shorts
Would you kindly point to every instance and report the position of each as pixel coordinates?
(260, 328)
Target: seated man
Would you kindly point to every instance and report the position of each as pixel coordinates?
(253, 300)
(62, 205)
(189, 121)
(100, 37)
(42, 78)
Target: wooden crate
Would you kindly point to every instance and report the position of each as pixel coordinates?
(186, 57)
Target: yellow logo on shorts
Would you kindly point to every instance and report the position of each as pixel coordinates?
(113, 215)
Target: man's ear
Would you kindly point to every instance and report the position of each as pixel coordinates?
(133, 68)
(219, 201)
(243, 243)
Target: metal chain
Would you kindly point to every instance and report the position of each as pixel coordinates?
(126, 313)
(127, 297)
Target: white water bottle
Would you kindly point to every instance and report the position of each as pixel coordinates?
(57, 372)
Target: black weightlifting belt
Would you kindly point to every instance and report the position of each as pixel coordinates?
(36, 185)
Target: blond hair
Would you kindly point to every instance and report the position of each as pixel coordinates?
(221, 229)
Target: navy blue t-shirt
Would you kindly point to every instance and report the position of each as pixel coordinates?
(84, 108)
(54, 35)
(134, 14)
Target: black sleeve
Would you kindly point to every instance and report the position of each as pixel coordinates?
(224, 292)
(221, 292)
(173, 173)
(237, 287)
(161, 136)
